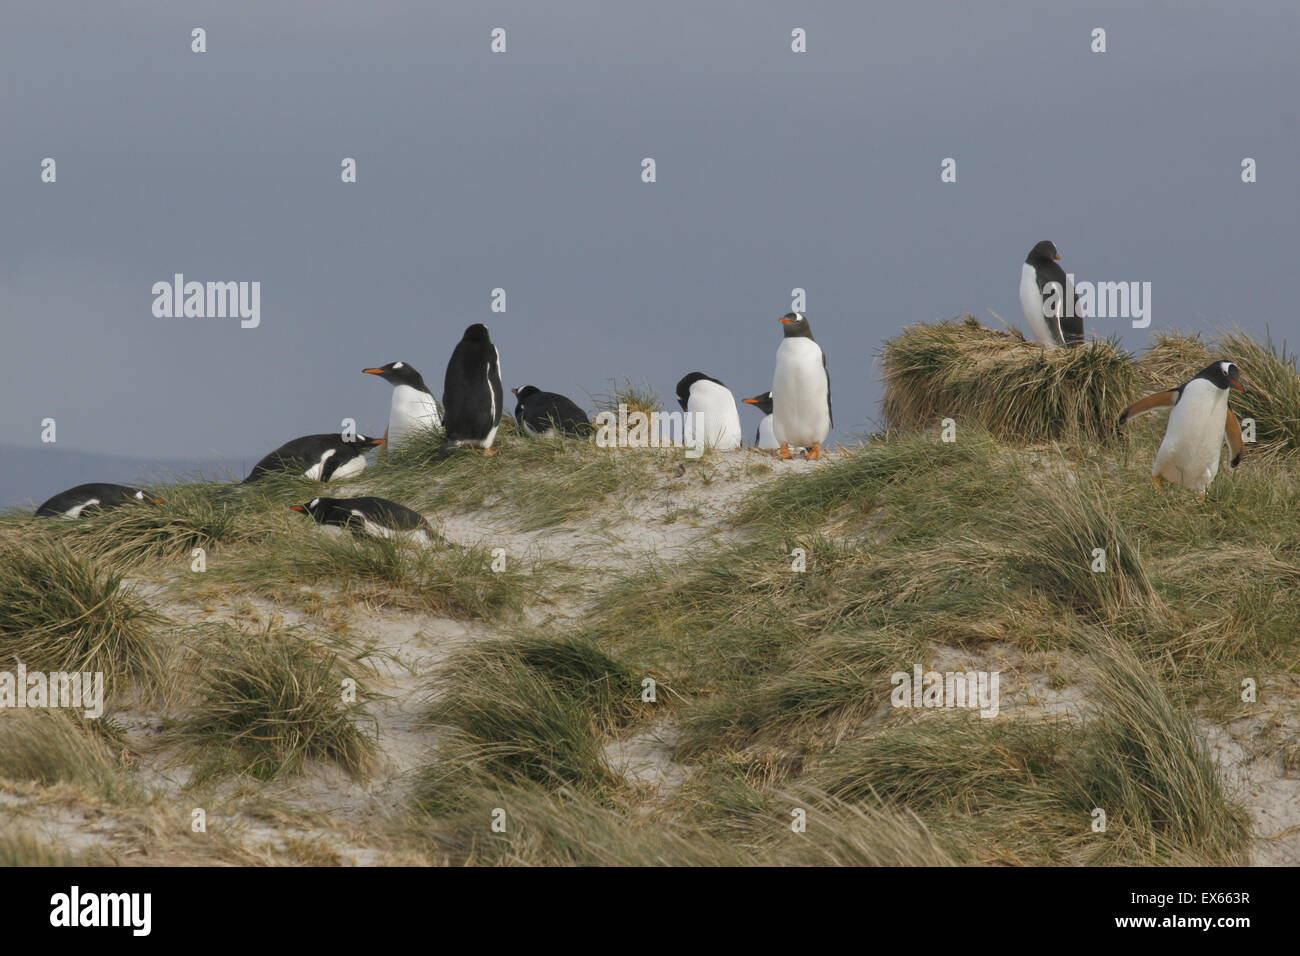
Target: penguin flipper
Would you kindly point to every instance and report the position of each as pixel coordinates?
(1156, 400)
(1232, 433)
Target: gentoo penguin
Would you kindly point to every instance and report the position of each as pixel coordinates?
(801, 390)
(94, 496)
(378, 517)
(719, 420)
(1049, 323)
(540, 413)
(472, 395)
(413, 409)
(318, 457)
(764, 438)
(1199, 422)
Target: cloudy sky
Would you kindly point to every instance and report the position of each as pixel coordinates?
(522, 170)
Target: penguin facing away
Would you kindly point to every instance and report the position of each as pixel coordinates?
(413, 409)
(324, 457)
(377, 517)
(94, 496)
(541, 413)
(1040, 276)
(801, 390)
(472, 394)
(764, 438)
(1199, 422)
(718, 418)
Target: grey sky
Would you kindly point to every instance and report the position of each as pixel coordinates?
(522, 170)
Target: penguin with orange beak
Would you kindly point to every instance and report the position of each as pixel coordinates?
(1199, 422)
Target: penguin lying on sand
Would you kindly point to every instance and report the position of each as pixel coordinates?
(318, 457)
(95, 496)
(377, 517)
(1199, 422)
(541, 413)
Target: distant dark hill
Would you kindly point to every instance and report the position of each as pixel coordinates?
(29, 475)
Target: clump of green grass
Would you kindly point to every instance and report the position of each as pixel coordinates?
(636, 398)
(439, 579)
(530, 714)
(268, 701)
(60, 611)
(53, 746)
(998, 381)
(1150, 770)
(1070, 540)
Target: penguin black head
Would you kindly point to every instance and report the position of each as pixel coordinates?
(362, 442)
(684, 387)
(478, 332)
(399, 373)
(762, 402)
(317, 508)
(796, 326)
(523, 392)
(1042, 253)
(1224, 375)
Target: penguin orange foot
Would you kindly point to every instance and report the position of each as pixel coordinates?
(784, 453)
(489, 452)
(815, 452)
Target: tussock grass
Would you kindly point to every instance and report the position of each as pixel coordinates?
(53, 746)
(526, 712)
(540, 482)
(1057, 533)
(21, 849)
(455, 581)
(60, 611)
(636, 397)
(1149, 768)
(1001, 383)
(270, 700)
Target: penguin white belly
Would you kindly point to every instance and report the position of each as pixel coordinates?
(1031, 300)
(316, 470)
(766, 437)
(718, 418)
(413, 411)
(801, 414)
(353, 466)
(1189, 453)
(76, 512)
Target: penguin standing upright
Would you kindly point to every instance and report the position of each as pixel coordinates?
(764, 437)
(95, 496)
(718, 418)
(413, 409)
(541, 413)
(1044, 291)
(1199, 421)
(378, 517)
(472, 395)
(318, 457)
(801, 391)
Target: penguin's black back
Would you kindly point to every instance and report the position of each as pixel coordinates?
(301, 453)
(1047, 271)
(472, 395)
(543, 410)
(109, 495)
(380, 511)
